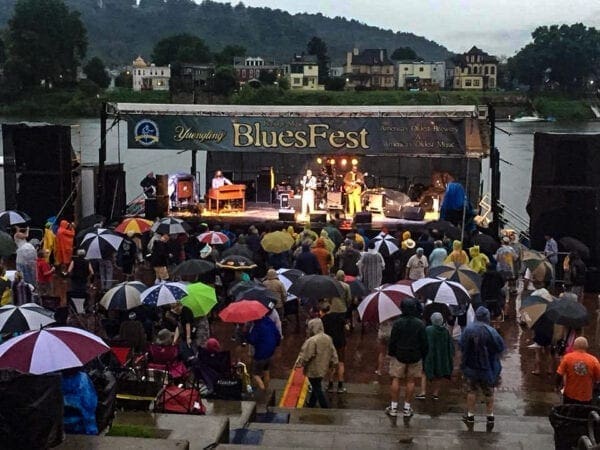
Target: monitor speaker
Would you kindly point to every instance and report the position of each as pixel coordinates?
(295, 203)
(185, 190)
(334, 200)
(363, 218)
(375, 202)
(318, 217)
(412, 212)
(287, 216)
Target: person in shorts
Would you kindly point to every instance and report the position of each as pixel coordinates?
(334, 324)
(481, 347)
(407, 348)
(264, 337)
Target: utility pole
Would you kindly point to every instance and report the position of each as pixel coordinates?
(495, 170)
(100, 183)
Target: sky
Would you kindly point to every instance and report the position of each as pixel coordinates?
(500, 27)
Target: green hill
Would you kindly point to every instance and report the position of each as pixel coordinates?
(119, 30)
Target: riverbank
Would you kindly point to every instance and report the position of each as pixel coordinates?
(86, 101)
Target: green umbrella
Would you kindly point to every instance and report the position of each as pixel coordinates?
(201, 298)
(7, 244)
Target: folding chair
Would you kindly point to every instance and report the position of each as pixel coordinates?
(166, 358)
(179, 400)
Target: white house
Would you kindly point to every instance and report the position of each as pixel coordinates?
(150, 77)
(421, 74)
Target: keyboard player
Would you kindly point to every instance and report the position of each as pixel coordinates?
(219, 180)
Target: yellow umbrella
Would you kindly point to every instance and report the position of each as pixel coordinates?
(277, 242)
(135, 224)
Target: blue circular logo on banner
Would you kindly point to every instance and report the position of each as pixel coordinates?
(146, 132)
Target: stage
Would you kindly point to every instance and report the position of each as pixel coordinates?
(264, 213)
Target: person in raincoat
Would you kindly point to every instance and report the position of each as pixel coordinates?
(370, 266)
(323, 255)
(329, 244)
(64, 244)
(439, 362)
(49, 242)
(479, 261)
(458, 255)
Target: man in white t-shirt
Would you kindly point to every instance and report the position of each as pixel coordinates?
(416, 267)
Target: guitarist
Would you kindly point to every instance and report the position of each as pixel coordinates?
(354, 182)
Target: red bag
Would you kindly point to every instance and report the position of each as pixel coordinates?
(175, 400)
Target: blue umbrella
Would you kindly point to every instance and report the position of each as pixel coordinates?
(164, 294)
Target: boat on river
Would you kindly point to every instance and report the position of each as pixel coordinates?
(533, 118)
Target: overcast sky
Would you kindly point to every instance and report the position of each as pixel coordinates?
(500, 27)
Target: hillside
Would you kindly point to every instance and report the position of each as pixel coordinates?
(118, 30)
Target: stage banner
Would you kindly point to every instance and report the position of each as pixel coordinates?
(306, 135)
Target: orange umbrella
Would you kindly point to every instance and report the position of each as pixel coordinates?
(135, 224)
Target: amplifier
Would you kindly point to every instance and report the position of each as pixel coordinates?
(409, 212)
(295, 202)
(375, 203)
(363, 218)
(334, 200)
(318, 217)
(287, 215)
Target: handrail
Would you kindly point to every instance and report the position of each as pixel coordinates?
(589, 442)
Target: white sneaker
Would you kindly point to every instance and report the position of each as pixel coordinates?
(408, 412)
(534, 345)
(393, 412)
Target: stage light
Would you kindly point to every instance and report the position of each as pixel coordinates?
(332, 161)
(344, 162)
(319, 161)
(354, 161)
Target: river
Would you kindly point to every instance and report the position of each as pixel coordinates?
(514, 140)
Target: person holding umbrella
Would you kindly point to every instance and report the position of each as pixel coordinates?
(160, 258)
(272, 283)
(370, 266)
(80, 271)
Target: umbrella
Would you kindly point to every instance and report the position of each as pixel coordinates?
(12, 217)
(386, 244)
(91, 221)
(165, 293)
(30, 316)
(460, 273)
(441, 291)
(240, 287)
(316, 287)
(192, 267)
(532, 259)
(170, 225)
(135, 224)
(288, 276)
(201, 298)
(380, 305)
(100, 244)
(532, 308)
(541, 269)
(50, 350)
(487, 244)
(568, 313)
(433, 307)
(7, 244)
(277, 242)
(243, 311)
(445, 228)
(357, 288)
(123, 296)
(236, 262)
(213, 238)
(260, 294)
(571, 244)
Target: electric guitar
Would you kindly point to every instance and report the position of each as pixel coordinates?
(351, 187)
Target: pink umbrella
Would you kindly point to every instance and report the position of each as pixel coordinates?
(383, 303)
(213, 238)
(50, 350)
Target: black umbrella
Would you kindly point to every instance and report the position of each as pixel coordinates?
(193, 267)
(100, 244)
(18, 319)
(7, 244)
(444, 227)
(170, 225)
(260, 294)
(358, 289)
(240, 287)
(316, 287)
(91, 221)
(487, 244)
(12, 217)
(568, 313)
(570, 244)
(434, 307)
(386, 244)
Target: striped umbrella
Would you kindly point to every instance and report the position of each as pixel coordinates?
(123, 296)
(165, 293)
(213, 238)
(100, 244)
(30, 316)
(12, 217)
(382, 304)
(459, 273)
(288, 276)
(135, 224)
(386, 244)
(170, 225)
(533, 308)
(50, 350)
(442, 291)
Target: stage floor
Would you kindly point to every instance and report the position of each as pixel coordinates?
(265, 212)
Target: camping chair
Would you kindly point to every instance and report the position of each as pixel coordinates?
(173, 399)
(166, 358)
(212, 367)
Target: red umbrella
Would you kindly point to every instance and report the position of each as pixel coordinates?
(384, 303)
(213, 238)
(243, 311)
(50, 350)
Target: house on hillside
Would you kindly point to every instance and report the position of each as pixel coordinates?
(303, 73)
(421, 75)
(150, 77)
(370, 68)
(249, 68)
(475, 70)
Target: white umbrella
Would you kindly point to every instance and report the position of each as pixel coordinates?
(100, 244)
(123, 296)
(165, 293)
(442, 291)
(170, 225)
(29, 316)
(386, 244)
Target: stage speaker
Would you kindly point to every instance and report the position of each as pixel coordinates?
(318, 217)
(363, 217)
(162, 205)
(284, 201)
(295, 203)
(264, 185)
(409, 212)
(375, 202)
(287, 215)
(150, 211)
(334, 200)
(162, 185)
(185, 190)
